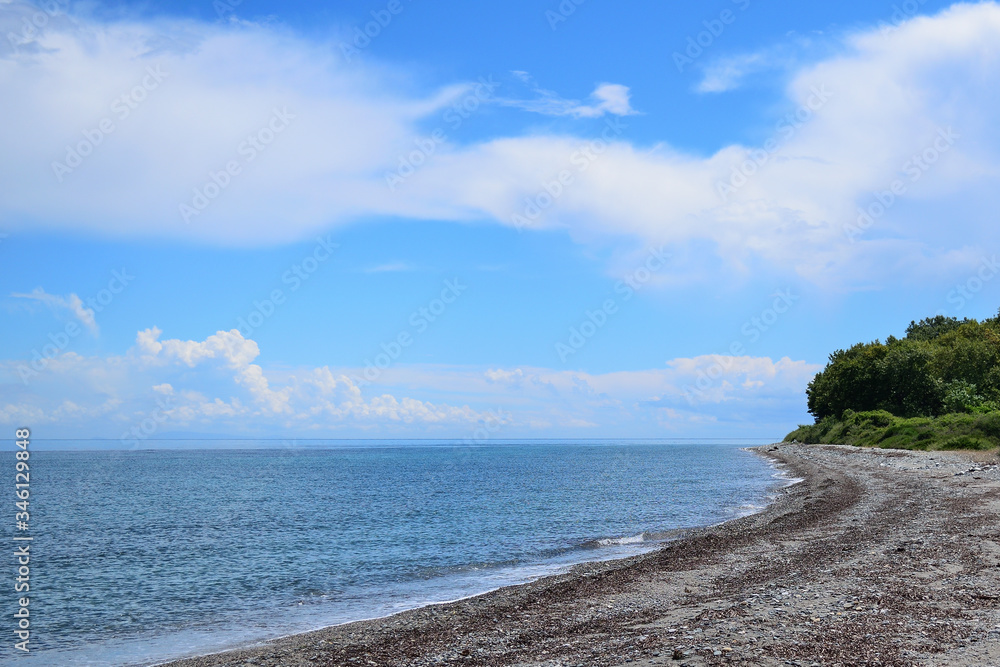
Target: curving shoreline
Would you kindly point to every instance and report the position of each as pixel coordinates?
(877, 557)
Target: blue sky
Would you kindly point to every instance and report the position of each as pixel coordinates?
(550, 220)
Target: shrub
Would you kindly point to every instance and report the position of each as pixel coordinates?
(966, 442)
(872, 418)
(882, 429)
(989, 425)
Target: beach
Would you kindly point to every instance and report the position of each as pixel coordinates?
(877, 557)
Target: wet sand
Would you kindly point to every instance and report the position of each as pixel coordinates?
(879, 557)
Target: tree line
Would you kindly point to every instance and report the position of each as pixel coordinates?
(944, 365)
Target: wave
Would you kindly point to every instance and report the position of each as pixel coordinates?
(618, 541)
(647, 537)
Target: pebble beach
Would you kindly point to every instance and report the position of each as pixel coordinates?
(877, 557)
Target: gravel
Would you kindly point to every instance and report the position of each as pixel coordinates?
(878, 557)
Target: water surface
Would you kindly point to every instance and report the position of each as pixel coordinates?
(147, 555)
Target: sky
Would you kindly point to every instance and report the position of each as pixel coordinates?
(471, 220)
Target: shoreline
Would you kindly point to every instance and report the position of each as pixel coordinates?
(784, 478)
(640, 545)
(828, 572)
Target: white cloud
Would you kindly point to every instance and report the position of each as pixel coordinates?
(209, 385)
(71, 304)
(732, 71)
(504, 376)
(882, 101)
(726, 74)
(612, 98)
(214, 386)
(679, 399)
(607, 98)
(215, 86)
(890, 94)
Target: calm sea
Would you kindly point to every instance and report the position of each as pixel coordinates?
(142, 556)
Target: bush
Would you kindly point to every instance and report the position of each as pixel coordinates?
(873, 418)
(989, 425)
(882, 429)
(967, 442)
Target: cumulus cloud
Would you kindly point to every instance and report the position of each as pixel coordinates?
(316, 393)
(679, 399)
(71, 304)
(611, 98)
(208, 385)
(214, 386)
(787, 202)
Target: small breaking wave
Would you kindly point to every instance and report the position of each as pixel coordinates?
(650, 538)
(621, 541)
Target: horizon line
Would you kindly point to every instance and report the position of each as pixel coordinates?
(369, 439)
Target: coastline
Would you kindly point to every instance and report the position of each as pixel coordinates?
(829, 572)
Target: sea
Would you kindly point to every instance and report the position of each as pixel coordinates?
(189, 547)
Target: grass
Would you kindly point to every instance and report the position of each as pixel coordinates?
(882, 429)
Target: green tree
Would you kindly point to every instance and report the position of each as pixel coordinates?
(850, 381)
(962, 396)
(909, 386)
(943, 365)
(930, 328)
(971, 354)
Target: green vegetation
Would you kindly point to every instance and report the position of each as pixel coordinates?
(878, 428)
(937, 388)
